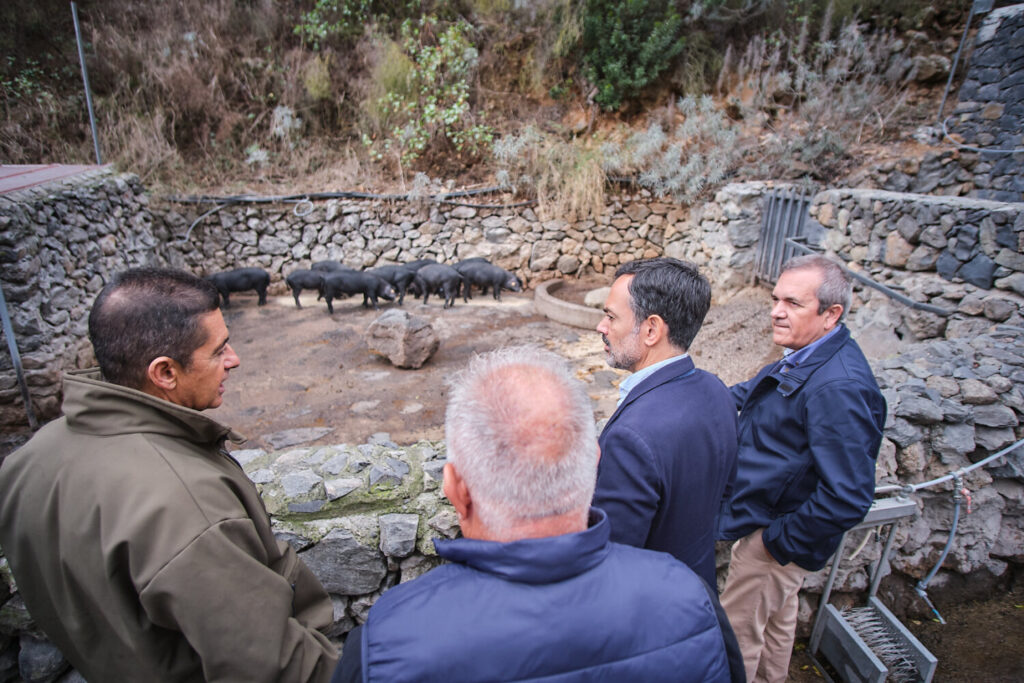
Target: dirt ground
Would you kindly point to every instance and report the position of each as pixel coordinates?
(303, 368)
(306, 368)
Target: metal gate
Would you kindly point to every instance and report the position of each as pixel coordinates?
(783, 217)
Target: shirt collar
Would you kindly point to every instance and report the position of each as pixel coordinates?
(630, 382)
(793, 358)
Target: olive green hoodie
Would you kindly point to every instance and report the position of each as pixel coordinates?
(144, 552)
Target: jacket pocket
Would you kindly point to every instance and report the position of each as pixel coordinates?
(777, 505)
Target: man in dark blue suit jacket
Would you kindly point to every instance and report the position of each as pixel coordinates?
(668, 453)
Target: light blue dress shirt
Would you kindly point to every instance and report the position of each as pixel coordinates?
(640, 375)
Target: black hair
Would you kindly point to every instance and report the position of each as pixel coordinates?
(673, 290)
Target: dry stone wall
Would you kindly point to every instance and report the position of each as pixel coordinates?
(979, 150)
(367, 233)
(965, 256)
(58, 246)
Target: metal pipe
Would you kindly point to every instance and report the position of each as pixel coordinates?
(12, 346)
(891, 293)
(906, 489)
(876, 575)
(85, 81)
(826, 593)
(956, 61)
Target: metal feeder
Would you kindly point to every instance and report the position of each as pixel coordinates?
(869, 643)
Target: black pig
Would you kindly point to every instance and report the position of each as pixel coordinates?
(416, 265)
(484, 275)
(440, 279)
(402, 278)
(299, 280)
(342, 283)
(240, 280)
(330, 266)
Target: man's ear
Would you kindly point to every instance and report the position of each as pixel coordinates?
(457, 492)
(653, 330)
(162, 373)
(832, 315)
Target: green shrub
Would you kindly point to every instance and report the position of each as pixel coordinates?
(626, 44)
(431, 102)
(316, 78)
(346, 19)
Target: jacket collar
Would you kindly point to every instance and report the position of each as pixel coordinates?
(677, 370)
(102, 408)
(794, 377)
(534, 560)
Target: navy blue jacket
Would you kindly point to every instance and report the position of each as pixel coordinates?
(808, 442)
(668, 459)
(564, 608)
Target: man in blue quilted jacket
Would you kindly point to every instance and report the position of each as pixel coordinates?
(534, 589)
(810, 427)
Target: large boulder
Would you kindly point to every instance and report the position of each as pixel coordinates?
(406, 340)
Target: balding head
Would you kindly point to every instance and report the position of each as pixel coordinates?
(145, 313)
(520, 432)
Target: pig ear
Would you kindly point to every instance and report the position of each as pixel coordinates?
(162, 373)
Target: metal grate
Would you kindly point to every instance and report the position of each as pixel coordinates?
(783, 217)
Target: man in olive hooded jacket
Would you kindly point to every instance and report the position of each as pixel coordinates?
(138, 544)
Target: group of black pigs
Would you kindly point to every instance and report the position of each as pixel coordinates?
(334, 280)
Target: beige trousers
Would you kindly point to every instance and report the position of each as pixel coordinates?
(760, 599)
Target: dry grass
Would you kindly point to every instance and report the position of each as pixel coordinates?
(566, 176)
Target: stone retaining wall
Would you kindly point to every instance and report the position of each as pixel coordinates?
(965, 256)
(367, 233)
(983, 154)
(59, 244)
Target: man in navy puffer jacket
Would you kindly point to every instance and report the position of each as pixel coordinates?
(535, 589)
(810, 427)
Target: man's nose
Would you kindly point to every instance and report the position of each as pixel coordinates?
(231, 359)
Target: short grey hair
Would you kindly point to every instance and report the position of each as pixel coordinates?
(836, 286)
(519, 463)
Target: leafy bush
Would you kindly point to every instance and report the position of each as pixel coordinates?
(626, 44)
(431, 103)
(683, 164)
(346, 19)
